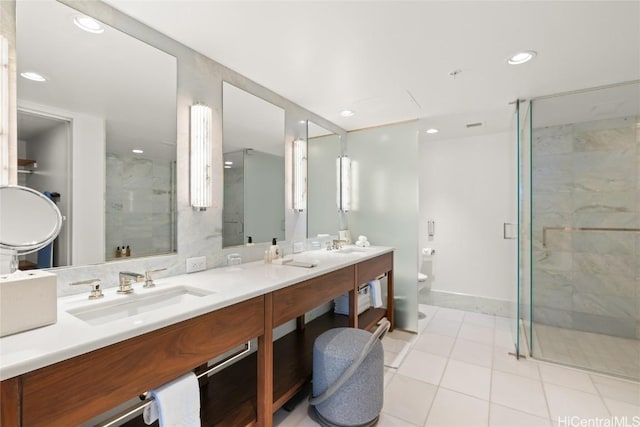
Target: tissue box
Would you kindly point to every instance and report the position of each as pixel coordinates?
(364, 302)
(28, 300)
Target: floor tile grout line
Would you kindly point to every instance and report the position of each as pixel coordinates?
(493, 350)
(544, 393)
(424, 423)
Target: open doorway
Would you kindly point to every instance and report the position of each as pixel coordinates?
(44, 150)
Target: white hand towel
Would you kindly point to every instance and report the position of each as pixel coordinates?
(376, 293)
(175, 404)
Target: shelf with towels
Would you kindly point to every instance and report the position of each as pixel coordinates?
(27, 166)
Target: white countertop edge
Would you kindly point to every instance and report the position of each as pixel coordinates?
(70, 337)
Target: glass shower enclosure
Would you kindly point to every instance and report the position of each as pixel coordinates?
(579, 275)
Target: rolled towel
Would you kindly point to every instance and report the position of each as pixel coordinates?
(359, 243)
(367, 244)
(362, 238)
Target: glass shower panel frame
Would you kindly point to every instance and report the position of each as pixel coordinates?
(526, 209)
(514, 309)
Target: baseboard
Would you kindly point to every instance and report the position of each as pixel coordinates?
(466, 302)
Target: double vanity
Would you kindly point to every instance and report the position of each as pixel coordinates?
(102, 353)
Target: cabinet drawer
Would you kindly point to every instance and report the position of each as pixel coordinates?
(372, 268)
(80, 388)
(293, 301)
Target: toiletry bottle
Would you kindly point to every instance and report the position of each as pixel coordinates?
(274, 250)
(249, 241)
(128, 251)
(118, 253)
(267, 256)
(123, 251)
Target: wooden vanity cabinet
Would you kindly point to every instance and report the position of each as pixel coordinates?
(244, 394)
(75, 390)
(296, 300)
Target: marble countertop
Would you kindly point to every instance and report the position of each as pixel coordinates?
(71, 336)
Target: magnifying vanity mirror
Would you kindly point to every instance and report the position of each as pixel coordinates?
(323, 148)
(97, 128)
(253, 151)
(29, 222)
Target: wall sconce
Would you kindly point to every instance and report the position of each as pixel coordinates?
(343, 169)
(299, 175)
(4, 110)
(201, 118)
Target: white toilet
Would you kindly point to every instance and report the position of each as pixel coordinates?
(427, 254)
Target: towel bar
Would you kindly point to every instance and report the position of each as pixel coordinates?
(147, 400)
(545, 229)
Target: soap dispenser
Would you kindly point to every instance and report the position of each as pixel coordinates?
(274, 250)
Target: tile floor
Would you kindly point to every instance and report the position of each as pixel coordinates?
(457, 373)
(588, 350)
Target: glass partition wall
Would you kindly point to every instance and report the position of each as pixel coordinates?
(584, 229)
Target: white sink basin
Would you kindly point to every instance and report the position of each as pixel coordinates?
(98, 313)
(352, 250)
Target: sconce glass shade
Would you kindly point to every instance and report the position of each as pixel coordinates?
(4, 110)
(343, 169)
(299, 175)
(201, 118)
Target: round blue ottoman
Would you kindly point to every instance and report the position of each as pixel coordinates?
(345, 394)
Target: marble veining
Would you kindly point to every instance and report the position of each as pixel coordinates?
(587, 175)
(139, 198)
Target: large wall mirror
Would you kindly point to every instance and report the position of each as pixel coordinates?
(323, 148)
(98, 135)
(253, 151)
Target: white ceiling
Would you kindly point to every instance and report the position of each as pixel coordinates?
(389, 61)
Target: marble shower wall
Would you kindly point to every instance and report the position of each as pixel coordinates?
(587, 175)
(233, 209)
(140, 205)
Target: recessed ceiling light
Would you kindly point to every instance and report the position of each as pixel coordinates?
(88, 24)
(228, 162)
(33, 76)
(347, 113)
(432, 131)
(137, 151)
(227, 167)
(521, 57)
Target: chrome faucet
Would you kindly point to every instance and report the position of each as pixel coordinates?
(96, 292)
(126, 280)
(148, 280)
(336, 244)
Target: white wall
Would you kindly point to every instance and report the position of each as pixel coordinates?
(468, 186)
